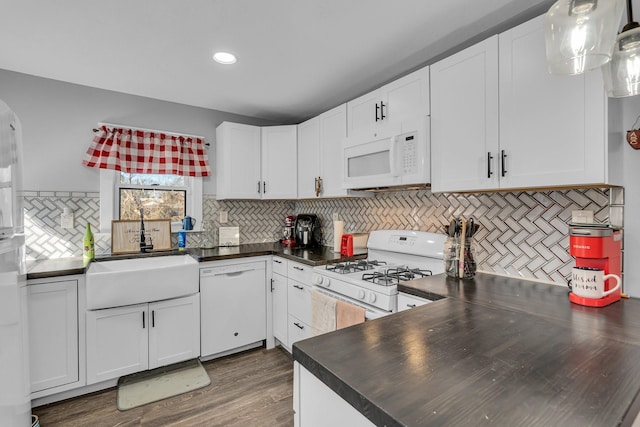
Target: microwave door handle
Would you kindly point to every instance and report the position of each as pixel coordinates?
(393, 159)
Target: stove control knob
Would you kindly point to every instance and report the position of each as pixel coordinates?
(372, 297)
(326, 281)
(318, 279)
(361, 294)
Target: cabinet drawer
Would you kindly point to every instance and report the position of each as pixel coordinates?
(279, 266)
(299, 272)
(406, 301)
(298, 330)
(299, 300)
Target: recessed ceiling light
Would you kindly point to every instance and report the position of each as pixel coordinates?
(225, 58)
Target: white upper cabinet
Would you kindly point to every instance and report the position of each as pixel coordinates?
(238, 161)
(464, 119)
(319, 154)
(333, 130)
(405, 98)
(501, 121)
(308, 157)
(552, 128)
(279, 162)
(254, 162)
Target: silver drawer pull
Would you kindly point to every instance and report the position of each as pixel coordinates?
(298, 287)
(298, 268)
(298, 325)
(276, 261)
(411, 305)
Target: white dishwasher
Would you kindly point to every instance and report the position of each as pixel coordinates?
(233, 311)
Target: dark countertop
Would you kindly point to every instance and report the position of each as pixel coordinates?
(496, 351)
(44, 268)
(311, 256)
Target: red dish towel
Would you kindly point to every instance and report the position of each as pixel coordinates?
(348, 314)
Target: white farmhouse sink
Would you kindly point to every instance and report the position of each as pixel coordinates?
(114, 283)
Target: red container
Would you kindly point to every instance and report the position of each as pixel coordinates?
(346, 245)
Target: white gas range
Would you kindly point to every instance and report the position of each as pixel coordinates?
(393, 256)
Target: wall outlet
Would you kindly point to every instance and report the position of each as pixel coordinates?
(224, 217)
(582, 217)
(336, 216)
(67, 220)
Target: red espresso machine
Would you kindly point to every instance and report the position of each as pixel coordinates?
(597, 247)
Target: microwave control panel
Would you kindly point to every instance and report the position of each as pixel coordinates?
(409, 154)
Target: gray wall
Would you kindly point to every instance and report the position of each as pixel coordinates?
(58, 118)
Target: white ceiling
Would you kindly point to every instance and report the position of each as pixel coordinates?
(296, 58)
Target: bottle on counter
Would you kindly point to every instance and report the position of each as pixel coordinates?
(88, 247)
(182, 240)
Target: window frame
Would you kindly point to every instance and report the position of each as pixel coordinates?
(110, 200)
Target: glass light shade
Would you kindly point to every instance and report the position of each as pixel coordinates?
(580, 34)
(622, 74)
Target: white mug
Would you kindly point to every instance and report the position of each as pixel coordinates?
(588, 282)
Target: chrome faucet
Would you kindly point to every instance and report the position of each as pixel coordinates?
(143, 243)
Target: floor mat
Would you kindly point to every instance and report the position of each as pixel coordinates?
(150, 386)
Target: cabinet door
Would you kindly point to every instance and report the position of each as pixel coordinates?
(551, 127)
(237, 161)
(174, 330)
(407, 97)
(279, 162)
(117, 342)
(53, 334)
(312, 398)
(233, 307)
(363, 114)
(299, 300)
(308, 158)
(298, 330)
(406, 301)
(333, 130)
(464, 119)
(279, 290)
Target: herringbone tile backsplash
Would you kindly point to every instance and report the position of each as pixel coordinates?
(522, 233)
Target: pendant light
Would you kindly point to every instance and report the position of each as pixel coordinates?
(622, 74)
(580, 34)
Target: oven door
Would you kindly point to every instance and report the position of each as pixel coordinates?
(370, 313)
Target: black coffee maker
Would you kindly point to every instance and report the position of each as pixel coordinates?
(308, 231)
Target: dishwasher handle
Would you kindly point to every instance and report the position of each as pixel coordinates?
(234, 272)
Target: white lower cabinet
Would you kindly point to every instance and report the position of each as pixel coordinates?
(233, 306)
(312, 400)
(406, 301)
(291, 287)
(53, 334)
(279, 295)
(298, 330)
(124, 340)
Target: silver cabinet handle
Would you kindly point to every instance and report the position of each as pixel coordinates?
(258, 187)
(298, 287)
(277, 261)
(298, 325)
(489, 158)
(298, 268)
(411, 305)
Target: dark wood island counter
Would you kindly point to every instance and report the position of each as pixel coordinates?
(495, 351)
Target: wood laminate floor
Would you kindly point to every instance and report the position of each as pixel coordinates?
(253, 388)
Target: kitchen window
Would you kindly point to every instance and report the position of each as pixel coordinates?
(161, 196)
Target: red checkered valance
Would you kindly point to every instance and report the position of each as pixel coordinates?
(143, 151)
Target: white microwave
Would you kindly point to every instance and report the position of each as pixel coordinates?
(396, 155)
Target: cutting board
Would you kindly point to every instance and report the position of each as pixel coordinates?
(125, 235)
